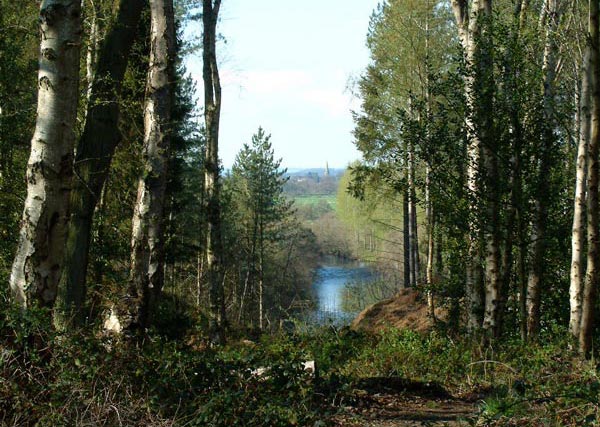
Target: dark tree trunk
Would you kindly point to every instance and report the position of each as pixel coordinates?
(94, 153)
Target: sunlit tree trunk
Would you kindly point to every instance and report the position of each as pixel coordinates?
(430, 243)
(39, 256)
(538, 232)
(593, 239)
(93, 45)
(147, 242)
(212, 113)
(578, 230)
(470, 21)
(95, 150)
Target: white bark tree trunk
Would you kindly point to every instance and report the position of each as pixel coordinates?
(147, 242)
(469, 22)
(38, 261)
(578, 230)
(593, 238)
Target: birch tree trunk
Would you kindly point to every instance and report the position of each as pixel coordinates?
(484, 114)
(406, 239)
(147, 242)
(39, 256)
(469, 22)
(430, 243)
(212, 113)
(552, 13)
(578, 230)
(93, 44)
(593, 239)
(95, 150)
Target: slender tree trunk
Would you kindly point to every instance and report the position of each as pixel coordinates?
(412, 217)
(515, 214)
(430, 243)
(199, 275)
(477, 122)
(212, 112)
(36, 269)
(261, 281)
(406, 239)
(93, 45)
(593, 239)
(578, 230)
(538, 233)
(95, 150)
(515, 181)
(484, 114)
(147, 242)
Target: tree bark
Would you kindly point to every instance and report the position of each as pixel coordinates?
(593, 239)
(91, 60)
(472, 23)
(147, 242)
(36, 269)
(212, 113)
(95, 150)
(578, 230)
(406, 239)
(430, 244)
(412, 217)
(538, 233)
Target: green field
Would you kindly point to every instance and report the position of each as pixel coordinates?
(315, 199)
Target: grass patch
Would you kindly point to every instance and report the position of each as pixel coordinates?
(316, 199)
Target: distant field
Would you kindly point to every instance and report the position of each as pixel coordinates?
(314, 199)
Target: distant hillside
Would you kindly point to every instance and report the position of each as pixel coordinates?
(318, 171)
(314, 181)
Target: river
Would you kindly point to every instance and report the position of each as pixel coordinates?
(329, 285)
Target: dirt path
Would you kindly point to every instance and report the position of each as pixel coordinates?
(385, 403)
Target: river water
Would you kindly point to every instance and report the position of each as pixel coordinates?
(329, 286)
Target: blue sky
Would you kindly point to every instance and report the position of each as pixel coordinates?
(286, 66)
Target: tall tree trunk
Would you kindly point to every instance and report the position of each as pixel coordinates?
(261, 278)
(212, 113)
(471, 24)
(578, 230)
(593, 239)
(36, 269)
(515, 180)
(491, 199)
(412, 214)
(406, 239)
(538, 233)
(430, 244)
(95, 150)
(147, 242)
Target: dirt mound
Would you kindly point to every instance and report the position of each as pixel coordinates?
(406, 310)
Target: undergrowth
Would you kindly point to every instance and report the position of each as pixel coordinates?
(82, 379)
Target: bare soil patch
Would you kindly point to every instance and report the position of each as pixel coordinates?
(406, 310)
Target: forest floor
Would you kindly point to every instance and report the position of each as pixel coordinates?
(395, 408)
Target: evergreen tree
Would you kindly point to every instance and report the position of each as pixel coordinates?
(258, 180)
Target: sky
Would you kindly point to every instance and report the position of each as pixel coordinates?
(287, 65)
